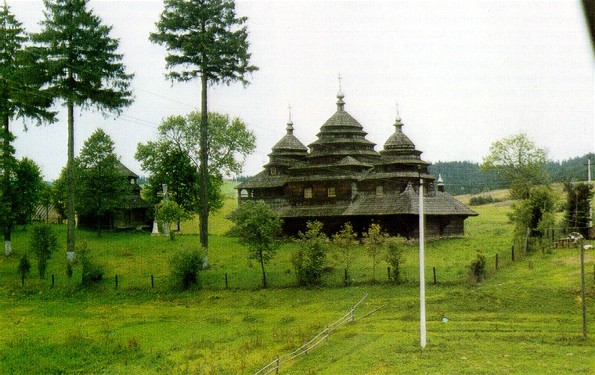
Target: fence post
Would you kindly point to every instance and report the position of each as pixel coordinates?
(512, 253)
(52, 280)
(226, 285)
(388, 272)
(352, 311)
(116, 281)
(152, 282)
(434, 269)
(496, 261)
(276, 362)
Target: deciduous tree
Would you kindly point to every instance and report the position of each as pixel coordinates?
(84, 70)
(345, 242)
(101, 185)
(310, 257)
(578, 202)
(174, 159)
(519, 162)
(259, 227)
(205, 39)
(375, 240)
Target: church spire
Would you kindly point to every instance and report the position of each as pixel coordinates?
(289, 127)
(398, 124)
(340, 96)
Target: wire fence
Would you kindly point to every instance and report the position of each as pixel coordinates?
(349, 317)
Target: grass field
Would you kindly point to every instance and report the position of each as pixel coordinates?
(524, 319)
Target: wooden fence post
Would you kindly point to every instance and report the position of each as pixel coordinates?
(226, 285)
(496, 261)
(52, 280)
(434, 269)
(512, 253)
(277, 361)
(388, 272)
(152, 282)
(116, 281)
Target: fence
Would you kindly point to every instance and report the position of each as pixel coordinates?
(275, 365)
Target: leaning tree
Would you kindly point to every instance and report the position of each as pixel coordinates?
(20, 96)
(83, 70)
(205, 39)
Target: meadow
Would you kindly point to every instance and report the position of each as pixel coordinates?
(525, 318)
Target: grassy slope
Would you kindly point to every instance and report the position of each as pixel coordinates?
(523, 319)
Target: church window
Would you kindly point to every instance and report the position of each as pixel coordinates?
(273, 171)
(308, 193)
(379, 191)
(244, 193)
(331, 192)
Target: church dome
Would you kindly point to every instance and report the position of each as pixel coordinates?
(340, 136)
(399, 145)
(289, 148)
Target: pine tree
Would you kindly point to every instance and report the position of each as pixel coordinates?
(84, 70)
(205, 39)
(20, 96)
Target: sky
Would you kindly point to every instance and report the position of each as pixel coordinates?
(464, 74)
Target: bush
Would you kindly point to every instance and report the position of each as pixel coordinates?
(479, 200)
(92, 272)
(185, 266)
(477, 268)
(310, 258)
(43, 244)
(394, 257)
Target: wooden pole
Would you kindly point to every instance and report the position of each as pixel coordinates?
(422, 276)
(584, 302)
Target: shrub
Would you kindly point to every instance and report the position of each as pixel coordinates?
(479, 200)
(374, 240)
(310, 257)
(394, 257)
(477, 268)
(92, 272)
(43, 244)
(185, 266)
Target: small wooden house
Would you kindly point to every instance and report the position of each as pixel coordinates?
(340, 178)
(134, 214)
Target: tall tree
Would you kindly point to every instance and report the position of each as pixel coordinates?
(519, 162)
(20, 96)
(205, 39)
(174, 160)
(84, 70)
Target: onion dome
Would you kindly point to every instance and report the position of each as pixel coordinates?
(340, 136)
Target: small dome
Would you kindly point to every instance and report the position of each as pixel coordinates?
(398, 140)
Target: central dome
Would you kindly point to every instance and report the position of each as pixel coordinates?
(340, 136)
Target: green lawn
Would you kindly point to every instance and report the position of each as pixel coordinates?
(524, 319)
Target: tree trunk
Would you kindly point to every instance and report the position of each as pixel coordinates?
(7, 187)
(203, 213)
(264, 276)
(70, 215)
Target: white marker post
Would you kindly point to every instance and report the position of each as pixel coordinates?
(422, 276)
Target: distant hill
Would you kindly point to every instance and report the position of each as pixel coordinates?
(465, 177)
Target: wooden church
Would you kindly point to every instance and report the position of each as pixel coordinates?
(340, 178)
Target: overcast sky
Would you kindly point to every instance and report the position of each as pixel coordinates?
(464, 74)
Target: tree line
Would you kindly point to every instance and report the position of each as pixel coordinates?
(466, 177)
